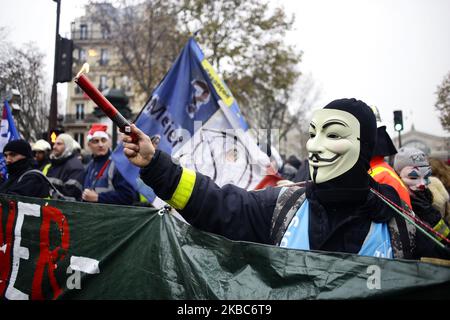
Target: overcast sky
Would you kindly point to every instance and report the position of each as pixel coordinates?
(388, 53)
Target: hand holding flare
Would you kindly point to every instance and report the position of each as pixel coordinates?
(84, 83)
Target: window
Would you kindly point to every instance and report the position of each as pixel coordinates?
(105, 33)
(103, 57)
(79, 111)
(79, 137)
(77, 90)
(83, 32)
(82, 55)
(125, 84)
(102, 86)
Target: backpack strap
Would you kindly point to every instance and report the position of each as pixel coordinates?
(403, 236)
(39, 173)
(288, 202)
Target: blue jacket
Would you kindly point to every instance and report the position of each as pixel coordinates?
(111, 186)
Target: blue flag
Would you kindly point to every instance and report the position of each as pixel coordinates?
(8, 132)
(200, 125)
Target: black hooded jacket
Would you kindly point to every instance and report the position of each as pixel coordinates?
(31, 184)
(247, 215)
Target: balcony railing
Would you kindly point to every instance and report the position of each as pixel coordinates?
(88, 118)
(72, 118)
(89, 35)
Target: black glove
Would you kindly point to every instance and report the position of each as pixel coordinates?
(421, 202)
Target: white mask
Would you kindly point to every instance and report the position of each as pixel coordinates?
(333, 146)
(416, 178)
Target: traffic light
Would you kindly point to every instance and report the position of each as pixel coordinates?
(55, 133)
(65, 59)
(398, 120)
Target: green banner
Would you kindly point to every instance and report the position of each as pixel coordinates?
(72, 250)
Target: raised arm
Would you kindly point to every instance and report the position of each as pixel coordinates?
(229, 211)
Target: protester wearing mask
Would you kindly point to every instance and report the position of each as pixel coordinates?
(414, 169)
(337, 211)
(66, 171)
(22, 179)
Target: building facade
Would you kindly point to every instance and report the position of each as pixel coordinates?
(92, 44)
(431, 145)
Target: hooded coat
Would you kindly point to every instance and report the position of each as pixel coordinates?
(22, 179)
(66, 171)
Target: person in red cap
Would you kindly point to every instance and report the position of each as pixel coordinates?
(103, 183)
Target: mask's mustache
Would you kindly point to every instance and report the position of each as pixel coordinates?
(315, 157)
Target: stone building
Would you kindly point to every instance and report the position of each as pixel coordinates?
(433, 146)
(92, 45)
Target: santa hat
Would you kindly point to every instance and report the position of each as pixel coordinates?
(98, 130)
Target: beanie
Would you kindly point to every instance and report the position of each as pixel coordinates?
(407, 156)
(20, 147)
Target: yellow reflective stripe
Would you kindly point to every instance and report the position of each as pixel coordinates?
(377, 170)
(142, 198)
(184, 189)
(46, 168)
(220, 86)
(442, 228)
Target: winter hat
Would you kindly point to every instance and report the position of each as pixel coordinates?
(368, 124)
(97, 130)
(69, 144)
(41, 145)
(20, 147)
(407, 156)
(384, 146)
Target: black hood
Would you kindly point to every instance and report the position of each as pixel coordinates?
(353, 185)
(384, 146)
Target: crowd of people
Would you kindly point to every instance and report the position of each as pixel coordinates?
(350, 201)
(58, 172)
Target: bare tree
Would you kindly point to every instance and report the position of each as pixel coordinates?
(22, 69)
(145, 36)
(245, 41)
(443, 102)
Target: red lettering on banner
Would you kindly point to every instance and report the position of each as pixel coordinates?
(6, 245)
(49, 257)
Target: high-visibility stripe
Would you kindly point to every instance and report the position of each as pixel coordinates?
(142, 198)
(373, 172)
(442, 228)
(184, 189)
(46, 168)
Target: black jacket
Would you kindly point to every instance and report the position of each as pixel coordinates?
(32, 184)
(247, 215)
(67, 176)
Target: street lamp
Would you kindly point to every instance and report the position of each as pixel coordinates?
(119, 99)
